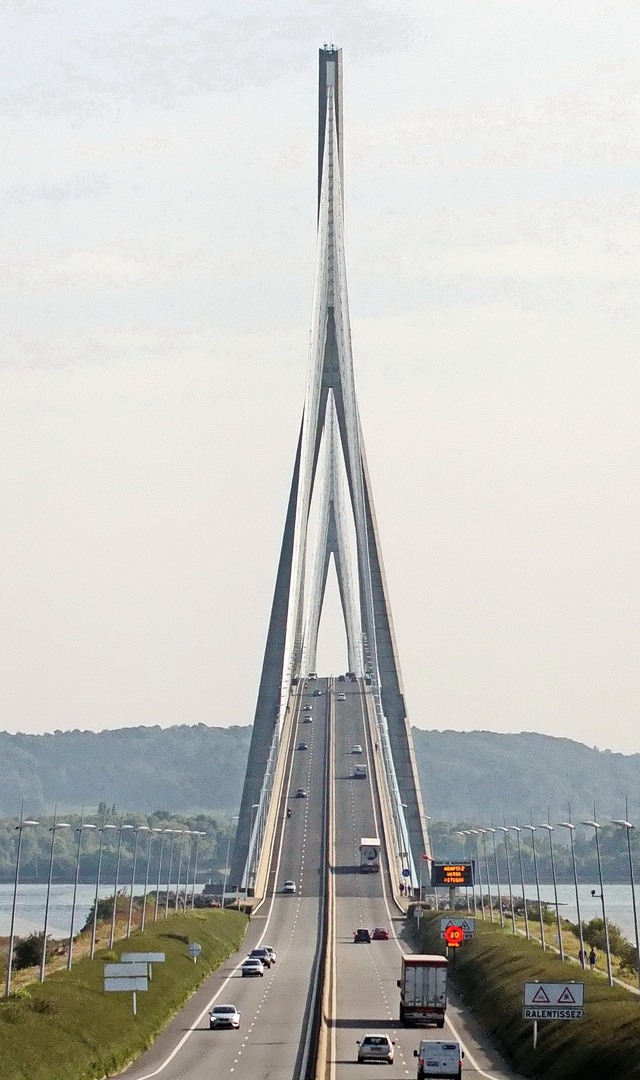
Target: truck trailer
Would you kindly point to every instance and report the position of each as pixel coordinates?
(369, 855)
(423, 989)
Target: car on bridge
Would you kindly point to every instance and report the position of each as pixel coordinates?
(340, 678)
(361, 936)
(224, 1016)
(317, 693)
(376, 1048)
(303, 746)
(289, 886)
(301, 793)
(342, 697)
(307, 708)
(252, 968)
(307, 718)
(357, 749)
(380, 933)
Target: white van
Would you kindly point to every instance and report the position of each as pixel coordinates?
(442, 1059)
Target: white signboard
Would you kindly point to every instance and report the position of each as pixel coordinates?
(553, 1001)
(125, 984)
(468, 926)
(125, 971)
(142, 958)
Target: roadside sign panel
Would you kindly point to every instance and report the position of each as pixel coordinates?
(452, 874)
(142, 958)
(194, 949)
(454, 936)
(553, 1001)
(468, 926)
(112, 985)
(125, 971)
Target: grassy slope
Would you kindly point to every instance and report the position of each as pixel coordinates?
(93, 1034)
(490, 971)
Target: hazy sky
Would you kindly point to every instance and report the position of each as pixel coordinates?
(158, 179)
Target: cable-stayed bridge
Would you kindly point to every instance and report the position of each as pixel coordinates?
(330, 515)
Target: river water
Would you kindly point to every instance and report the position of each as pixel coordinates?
(31, 901)
(617, 900)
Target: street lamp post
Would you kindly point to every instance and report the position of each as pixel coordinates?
(195, 869)
(628, 826)
(516, 829)
(483, 833)
(24, 823)
(478, 864)
(173, 832)
(81, 827)
(155, 906)
(112, 932)
(138, 830)
(185, 832)
(94, 924)
(190, 847)
(146, 878)
(549, 829)
(226, 865)
(504, 829)
(532, 830)
(53, 830)
(596, 828)
(468, 834)
(498, 886)
(463, 835)
(572, 829)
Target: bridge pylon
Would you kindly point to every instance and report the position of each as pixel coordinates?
(331, 513)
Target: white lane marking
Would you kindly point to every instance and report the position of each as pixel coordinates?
(469, 1056)
(187, 1035)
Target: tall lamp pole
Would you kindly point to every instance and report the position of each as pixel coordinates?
(226, 865)
(185, 832)
(479, 866)
(532, 830)
(81, 827)
(516, 829)
(549, 829)
(572, 829)
(53, 830)
(112, 933)
(195, 869)
(498, 886)
(94, 924)
(146, 878)
(504, 829)
(173, 840)
(24, 823)
(138, 830)
(628, 826)
(483, 833)
(596, 828)
(155, 906)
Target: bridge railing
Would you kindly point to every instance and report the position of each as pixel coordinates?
(401, 837)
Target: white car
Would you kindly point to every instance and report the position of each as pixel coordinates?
(376, 1048)
(357, 749)
(342, 697)
(289, 887)
(252, 968)
(271, 950)
(224, 1016)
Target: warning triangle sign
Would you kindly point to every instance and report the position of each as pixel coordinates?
(566, 997)
(465, 925)
(541, 996)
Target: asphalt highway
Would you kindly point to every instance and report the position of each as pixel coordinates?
(367, 975)
(270, 1044)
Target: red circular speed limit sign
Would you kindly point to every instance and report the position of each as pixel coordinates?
(453, 935)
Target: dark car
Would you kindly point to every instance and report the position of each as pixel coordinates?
(301, 793)
(361, 935)
(317, 693)
(303, 746)
(380, 934)
(262, 954)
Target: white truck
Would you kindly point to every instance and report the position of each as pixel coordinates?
(369, 855)
(443, 1059)
(423, 989)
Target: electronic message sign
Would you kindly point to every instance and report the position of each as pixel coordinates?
(451, 874)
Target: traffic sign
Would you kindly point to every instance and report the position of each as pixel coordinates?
(553, 1001)
(468, 926)
(194, 950)
(127, 984)
(453, 935)
(142, 958)
(406, 873)
(125, 971)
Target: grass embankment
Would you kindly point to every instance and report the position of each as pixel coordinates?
(69, 1029)
(490, 970)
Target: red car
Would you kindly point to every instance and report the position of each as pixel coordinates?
(380, 934)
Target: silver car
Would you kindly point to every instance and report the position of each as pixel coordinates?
(224, 1016)
(376, 1048)
(252, 968)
